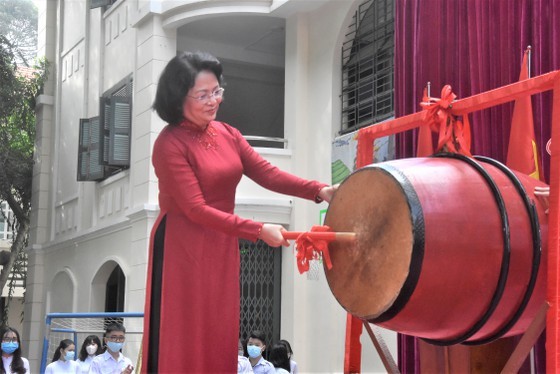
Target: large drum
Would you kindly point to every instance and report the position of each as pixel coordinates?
(448, 248)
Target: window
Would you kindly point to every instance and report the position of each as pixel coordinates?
(367, 66)
(100, 3)
(104, 144)
(114, 292)
(6, 222)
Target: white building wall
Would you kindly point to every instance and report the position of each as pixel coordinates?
(79, 228)
(312, 319)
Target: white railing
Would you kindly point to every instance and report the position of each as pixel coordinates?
(266, 141)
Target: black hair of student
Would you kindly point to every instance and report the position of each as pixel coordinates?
(278, 356)
(257, 334)
(178, 78)
(63, 345)
(17, 362)
(115, 326)
(87, 341)
(288, 346)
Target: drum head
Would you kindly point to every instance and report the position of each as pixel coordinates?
(367, 275)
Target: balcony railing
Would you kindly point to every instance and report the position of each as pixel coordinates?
(267, 141)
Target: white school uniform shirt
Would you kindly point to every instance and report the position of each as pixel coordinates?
(105, 364)
(293, 367)
(84, 365)
(66, 367)
(7, 361)
(243, 365)
(264, 367)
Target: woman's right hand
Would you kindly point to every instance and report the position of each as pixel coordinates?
(272, 235)
(542, 194)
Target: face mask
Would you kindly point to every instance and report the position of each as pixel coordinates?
(114, 347)
(240, 353)
(91, 349)
(254, 351)
(69, 356)
(10, 347)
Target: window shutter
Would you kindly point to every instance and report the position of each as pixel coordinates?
(105, 111)
(89, 167)
(83, 149)
(119, 131)
(96, 169)
(99, 3)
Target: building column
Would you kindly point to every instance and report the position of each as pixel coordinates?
(34, 321)
(155, 46)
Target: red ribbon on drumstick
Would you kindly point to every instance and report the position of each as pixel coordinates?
(315, 243)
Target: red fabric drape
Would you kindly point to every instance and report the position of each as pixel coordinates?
(475, 46)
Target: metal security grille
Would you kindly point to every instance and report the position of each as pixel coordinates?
(367, 66)
(260, 279)
(124, 91)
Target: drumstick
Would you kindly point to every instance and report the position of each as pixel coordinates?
(326, 235)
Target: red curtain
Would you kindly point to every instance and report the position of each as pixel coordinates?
(475, 46)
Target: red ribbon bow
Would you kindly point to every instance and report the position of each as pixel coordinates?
(454, 136)
(308, 249)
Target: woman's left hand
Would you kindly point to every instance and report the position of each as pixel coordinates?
(327, 193)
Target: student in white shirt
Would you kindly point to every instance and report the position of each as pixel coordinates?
(112, 361)
(12, 362)
(293, 364)
(278, 356)
(255, 348)
(243, 363)
(91, 347)
(63, 359)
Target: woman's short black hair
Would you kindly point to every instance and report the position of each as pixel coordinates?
(278, 356)
(17, 362)
(178, 78)
(63, 345)
(87, 341)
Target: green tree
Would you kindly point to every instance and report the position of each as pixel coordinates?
(18, 23)
(18, 91)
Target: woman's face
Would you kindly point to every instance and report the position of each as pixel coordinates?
(201, 112)
(10, 343)
(70, 348)
(91, 348)
(10, 337)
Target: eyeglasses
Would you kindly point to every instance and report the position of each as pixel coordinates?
(118, 339)
(218, 94)
(9, 340)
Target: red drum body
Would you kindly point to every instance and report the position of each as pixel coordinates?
(449, 249)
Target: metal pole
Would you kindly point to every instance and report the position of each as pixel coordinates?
(529, 61)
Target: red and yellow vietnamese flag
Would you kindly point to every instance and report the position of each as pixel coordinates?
(522, 150)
